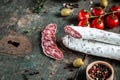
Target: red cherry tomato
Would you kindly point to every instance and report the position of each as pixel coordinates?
(83, 14)
(97, 11)
(115, 8)
(97, 23)
(84, 23)
(112, 21)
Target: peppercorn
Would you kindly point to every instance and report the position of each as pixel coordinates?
(99, 72)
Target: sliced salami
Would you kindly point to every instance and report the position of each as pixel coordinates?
(92, 47)
(54, 52)
(93, 34)
(49, 42)
(52, 27)
(48, 34)
(72, 32)
(49, 37)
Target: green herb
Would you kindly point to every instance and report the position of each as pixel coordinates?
(38, 1)
(39, 5)
(37, 9)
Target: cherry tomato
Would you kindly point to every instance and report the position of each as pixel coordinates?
(112, 21)
(83, 14)
(84, 23)
(115, 8)
(97, 11)
(97, 23)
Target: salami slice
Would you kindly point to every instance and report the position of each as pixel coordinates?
(92, 47)
(52, 27)
(49, 37)
(49, 45)
(54, 52)
(93, 34)
(48, 34)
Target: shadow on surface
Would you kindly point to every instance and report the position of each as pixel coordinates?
(82, 75)
(69, 1)
(73, 20)
(115, 1)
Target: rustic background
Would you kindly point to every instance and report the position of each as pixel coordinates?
(18, 15)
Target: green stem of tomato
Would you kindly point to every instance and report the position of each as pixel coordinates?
(113, 16)
(99, 21)
(86, 23)
(105, 14)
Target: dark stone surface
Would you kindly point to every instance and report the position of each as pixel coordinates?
(18, 15)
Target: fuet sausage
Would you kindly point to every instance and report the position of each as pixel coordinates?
(92, 47)
(49, 45)
(93, 34)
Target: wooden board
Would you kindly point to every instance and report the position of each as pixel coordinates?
(18, 15)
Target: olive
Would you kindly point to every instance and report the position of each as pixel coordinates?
(65, 12)
(78, 62)
(104, 3)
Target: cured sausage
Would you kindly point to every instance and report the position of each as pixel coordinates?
(53, 52)
(93, 34)
(92, 47)
(72, 32)
(49, 42)
(48, 35)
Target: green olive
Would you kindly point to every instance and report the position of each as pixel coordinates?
(78, 62)
(104, 3)
(65, 12)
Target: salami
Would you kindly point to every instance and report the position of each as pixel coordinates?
(49, 42)
(92, 47)
(93, 34)
(48, 34)
(72, 32)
